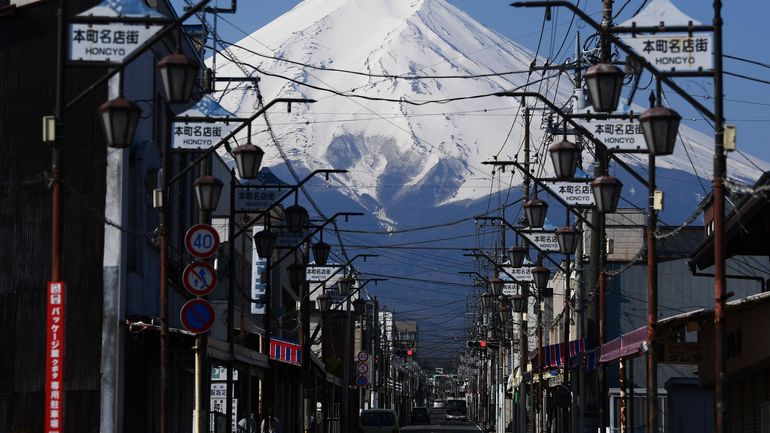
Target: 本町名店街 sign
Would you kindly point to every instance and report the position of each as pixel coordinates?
(574, 193)
(198, 135)
(109, 43)
(544, 241)
(681, 52)
(617, 134)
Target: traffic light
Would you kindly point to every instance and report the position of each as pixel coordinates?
(410, 352)
(477, 344)
(483, 344)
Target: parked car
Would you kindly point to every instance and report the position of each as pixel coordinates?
(378, 421)
(456, 410)
(438, 404)
(420, 415)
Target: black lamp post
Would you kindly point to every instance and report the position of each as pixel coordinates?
(535, 210)
(178, 74)
(119, 119)
(564, 155)
(606, 191)
(295, 216)
(248, 158)
(295, 271)
(541, 275)
(660, 126)
(497, 285)
(324, 302)
(487, 300)
(516, 255)
(604, 82)
(321, 252)
(265, 242)
(568, 238)
(207, 191)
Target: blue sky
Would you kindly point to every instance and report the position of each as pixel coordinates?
(746, 35)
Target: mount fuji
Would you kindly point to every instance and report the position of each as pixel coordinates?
(397, 152)
(411, 161)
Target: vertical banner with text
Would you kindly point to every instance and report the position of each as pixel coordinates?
(54, 359)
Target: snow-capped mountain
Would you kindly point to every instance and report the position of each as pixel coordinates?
(395, 150)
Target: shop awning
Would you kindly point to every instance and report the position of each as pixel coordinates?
(627, 345)
(553, 355)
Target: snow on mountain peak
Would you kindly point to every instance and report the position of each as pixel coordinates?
(394, 150)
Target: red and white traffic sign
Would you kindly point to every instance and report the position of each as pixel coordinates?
(197, 315)
(363, 356)
(199, 278)
(362, 368)
(202, 241)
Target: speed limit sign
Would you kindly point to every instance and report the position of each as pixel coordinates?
(202, 241)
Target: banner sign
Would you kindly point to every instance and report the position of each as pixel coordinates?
(618, 135)
(544, 241)
(54, 358)
(576, 194)
(255, 199)
(259, 267)
(109, 43)
(285, 351)
(674, 52)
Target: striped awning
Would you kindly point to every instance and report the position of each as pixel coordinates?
(553, 355)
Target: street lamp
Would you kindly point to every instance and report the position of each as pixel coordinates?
(324, 302)
(207, 191)
(487, 299)
(265, 242)
(606, 191)
(541, 274)
(604, 81)
(516, 255)
(505, 313)
(295, 216)
(564, 155)
(119, 118)
(248, 158)
(518, 303)
(497, 285)
(178, 73)
(295, 271)
(535, 210)
(321, 253)
(660, 126)
(345, 284)
(568, 238)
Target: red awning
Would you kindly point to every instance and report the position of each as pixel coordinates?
(628, 345)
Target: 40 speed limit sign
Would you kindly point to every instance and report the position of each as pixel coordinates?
(202, 241)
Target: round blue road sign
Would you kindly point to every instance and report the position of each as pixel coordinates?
(197, 315)
(361, 381)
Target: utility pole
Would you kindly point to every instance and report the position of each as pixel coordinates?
(524, 288)
(597, 272)
(720, 284)
(652, 291)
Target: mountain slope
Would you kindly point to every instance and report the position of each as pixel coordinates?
(399, 153)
